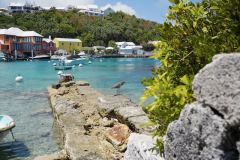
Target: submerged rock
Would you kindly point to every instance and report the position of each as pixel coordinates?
(209, 128)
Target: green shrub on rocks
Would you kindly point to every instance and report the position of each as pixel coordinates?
(191, 35)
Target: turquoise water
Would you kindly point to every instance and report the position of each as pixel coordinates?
(27, 102)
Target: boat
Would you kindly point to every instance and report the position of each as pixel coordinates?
(58, 67)
(41, 57)
(6, 125)
(57, 57)
(19, 78)
(62, 66)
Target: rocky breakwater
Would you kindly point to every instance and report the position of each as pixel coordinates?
(210, 127)
(94, 126)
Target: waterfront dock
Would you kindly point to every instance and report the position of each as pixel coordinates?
(125, 56)
(94, 126)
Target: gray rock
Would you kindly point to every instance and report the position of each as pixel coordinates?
(218, 85)
(140, 147)
(209, 128)
(197, 134)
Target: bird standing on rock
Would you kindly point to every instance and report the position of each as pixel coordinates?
(118, 86)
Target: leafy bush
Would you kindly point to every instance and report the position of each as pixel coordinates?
(148, 47)
(190, 37)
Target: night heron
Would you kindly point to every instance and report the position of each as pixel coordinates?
(118, 86)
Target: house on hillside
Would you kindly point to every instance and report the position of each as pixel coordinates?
(91, 10)
(4, 11)
(14, 41)
(26, 8)
(126, 48)
(48, 46)
(124, 44)
(67, 44)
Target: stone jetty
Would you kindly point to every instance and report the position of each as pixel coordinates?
(93, 126)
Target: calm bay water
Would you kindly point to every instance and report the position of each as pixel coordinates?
(28, 104)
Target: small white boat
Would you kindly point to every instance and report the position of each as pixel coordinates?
(19, 78)
(41, 57)
(6, 124)
(80, 65)
(60, 72)
(68, 61)
(89, 62)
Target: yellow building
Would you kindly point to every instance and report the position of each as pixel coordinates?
(67, 44)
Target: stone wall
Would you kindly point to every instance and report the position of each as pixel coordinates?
(210, 127)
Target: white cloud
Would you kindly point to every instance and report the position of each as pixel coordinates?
(119, 6)
(49, 3)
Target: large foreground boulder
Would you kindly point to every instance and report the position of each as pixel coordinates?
(209, 128)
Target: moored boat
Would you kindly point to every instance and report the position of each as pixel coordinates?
(58, 67)
(41, 57)
(6, 125)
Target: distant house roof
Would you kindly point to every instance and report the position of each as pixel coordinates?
(153, 42)
(125, 43)
(109, 48)
(16, 4)
(99, 47)
(18, 32)
(61, 8)
(67, 40)
(47, 40)
(131, 48)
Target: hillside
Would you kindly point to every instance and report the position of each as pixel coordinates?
(91, 30)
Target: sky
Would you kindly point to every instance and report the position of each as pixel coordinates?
(154, 10)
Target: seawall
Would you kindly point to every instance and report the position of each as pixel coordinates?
(94, 126)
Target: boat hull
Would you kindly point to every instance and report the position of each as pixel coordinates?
(6, 125)
(62, 67)
(41, 57)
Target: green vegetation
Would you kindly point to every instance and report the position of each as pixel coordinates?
(91, 30)
(190, 37)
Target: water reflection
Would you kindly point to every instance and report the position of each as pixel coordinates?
(12, 150)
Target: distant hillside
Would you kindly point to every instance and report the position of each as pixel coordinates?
(91, 30)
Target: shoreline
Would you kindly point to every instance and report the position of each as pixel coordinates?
(88, 119)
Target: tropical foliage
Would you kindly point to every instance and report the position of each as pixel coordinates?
(92, 30)
(192, 34)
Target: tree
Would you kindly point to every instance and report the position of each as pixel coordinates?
(148, 47)
(93, 30)
(190, 37)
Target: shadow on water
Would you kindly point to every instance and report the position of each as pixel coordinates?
(12, 150)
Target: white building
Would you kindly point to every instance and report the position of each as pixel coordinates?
(26, 8)
(91, 10)
(127, 48)
(124, 44)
